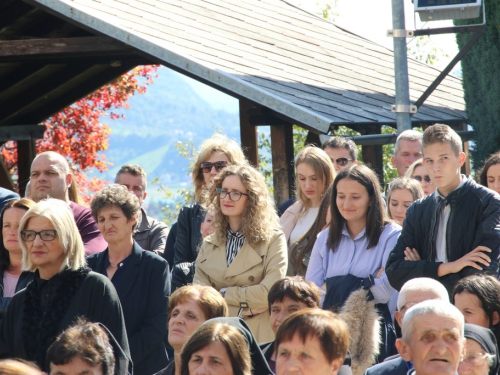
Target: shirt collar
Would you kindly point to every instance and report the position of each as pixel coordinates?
(345, 232)
(230, 233)
(437, 194)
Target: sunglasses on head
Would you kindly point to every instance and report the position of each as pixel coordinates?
(206, 166)
(342, 161)
(426, 178)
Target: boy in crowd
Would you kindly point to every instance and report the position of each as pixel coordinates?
(454, 232)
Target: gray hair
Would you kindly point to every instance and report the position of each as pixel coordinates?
(115, 195)
(435, 307)
(135, 170)
(422, 284)
(408, 135)
(60, 215)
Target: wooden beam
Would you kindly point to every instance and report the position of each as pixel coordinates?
(372, 154)
(62, 48)
(26, 154)
(21, 132)
(248, 134)
(313, 139)
(5, 178)
(466, 169)
(283, 162)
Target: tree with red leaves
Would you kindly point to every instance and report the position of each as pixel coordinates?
(77, 131)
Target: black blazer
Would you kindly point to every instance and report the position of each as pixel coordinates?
(395, 366)
(144, 299)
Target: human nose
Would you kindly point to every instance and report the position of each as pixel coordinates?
(201, 369)
(38, 240)
(400, 208)
(291, 365)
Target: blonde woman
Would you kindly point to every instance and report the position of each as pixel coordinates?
(247, 252)
(401, 194)
(63, 288)
(315, 174)
(418, 172)
(214, 155)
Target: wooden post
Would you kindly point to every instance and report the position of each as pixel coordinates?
(466, 167)
(372, 155)
(248, 134)
(283, 162)
(5, 179)
(26, 153)
(313, 139)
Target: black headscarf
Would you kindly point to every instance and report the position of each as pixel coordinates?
(487, 340)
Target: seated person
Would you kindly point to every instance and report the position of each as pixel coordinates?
(433, 338)
(81, 349)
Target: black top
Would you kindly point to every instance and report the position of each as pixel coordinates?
(96, 300)
(143, 294)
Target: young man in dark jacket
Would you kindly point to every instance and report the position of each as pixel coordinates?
(454, 232)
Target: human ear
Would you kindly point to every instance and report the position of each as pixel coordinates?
(461, 158)
(496, 318)
(335, 366)
(403, 349)
(399, 318)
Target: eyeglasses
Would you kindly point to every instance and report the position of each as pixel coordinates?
(235, 196)
(474, 358)
(45, 235)
(206, 166)
(426, 179)
(342, 161)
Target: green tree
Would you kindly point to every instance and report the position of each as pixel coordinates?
(481, 69)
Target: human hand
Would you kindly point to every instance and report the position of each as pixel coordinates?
(475, 259)
(379, 273)
(412, 254)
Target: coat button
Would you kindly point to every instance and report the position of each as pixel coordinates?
(251, 278)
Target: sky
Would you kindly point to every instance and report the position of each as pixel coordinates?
(368, 18)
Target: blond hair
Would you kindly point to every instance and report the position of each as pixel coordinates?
(320, 162)
(60, 215)
(259, 221)
(216, 143)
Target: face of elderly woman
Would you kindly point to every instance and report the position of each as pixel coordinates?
(305, 358)
(211, 360)
(114, 225)
(475, 361)
(47, 256)
(186, 317)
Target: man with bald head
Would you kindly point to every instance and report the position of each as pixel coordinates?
(413, 292)
(51, 177)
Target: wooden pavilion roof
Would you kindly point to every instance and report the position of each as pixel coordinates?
(299, 66)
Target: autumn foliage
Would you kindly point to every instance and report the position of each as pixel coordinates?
(79, 133)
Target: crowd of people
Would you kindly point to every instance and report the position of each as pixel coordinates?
(347, 277)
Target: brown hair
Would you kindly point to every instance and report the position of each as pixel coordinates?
(85, 340)
(24, 204)
(216, 143)
(296, 288)
(413, 186)
(317, 226)
(493, 159)
(320, 162)
(210, 301)
(330, 330)
(376, 215)
(260, 221)
(342, 142)
(440, 133)
(229, 336)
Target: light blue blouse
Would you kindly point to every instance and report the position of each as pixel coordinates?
(353, 257)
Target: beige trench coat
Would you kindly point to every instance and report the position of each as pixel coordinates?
(247, 279)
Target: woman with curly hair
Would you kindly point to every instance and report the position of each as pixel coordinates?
(489, 174)
(63, 287)
(247, 252)
(214, 155)
(315, 174)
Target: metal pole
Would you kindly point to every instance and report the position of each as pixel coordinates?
(401, 67)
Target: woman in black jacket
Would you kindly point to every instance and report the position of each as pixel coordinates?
(62, 290)
(12, 278)
(215, 154)
(141, 278)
